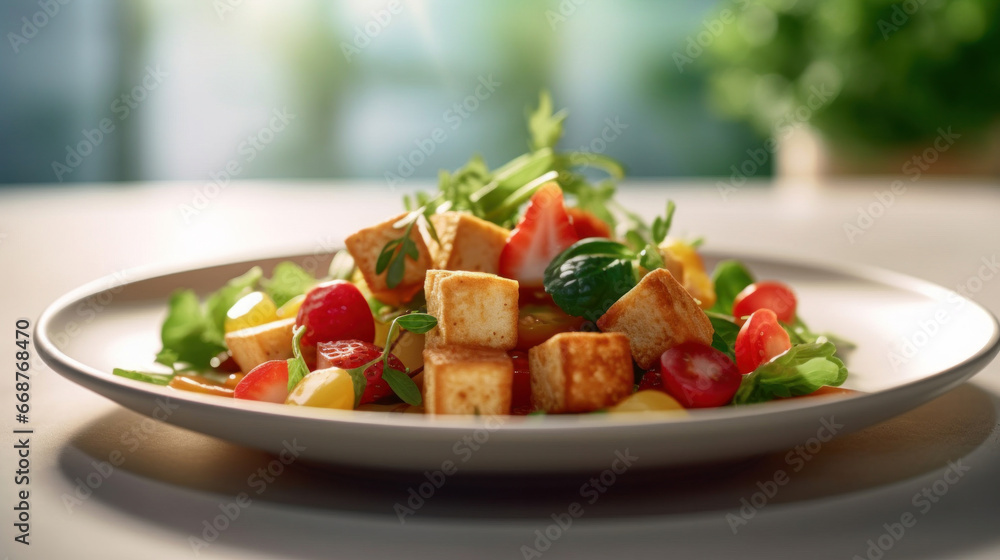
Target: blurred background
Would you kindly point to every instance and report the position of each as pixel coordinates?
(137, 90)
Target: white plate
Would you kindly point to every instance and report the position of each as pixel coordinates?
(915, 341)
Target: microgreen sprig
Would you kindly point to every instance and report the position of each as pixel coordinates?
(399, 381)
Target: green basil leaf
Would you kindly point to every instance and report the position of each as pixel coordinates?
(724, 336)
(154, 378)
(289, 280)
(587, 285)
(402, 385)
(799, 371)
(729, 277)
(595, 246)
(417, 323)
(297, 368)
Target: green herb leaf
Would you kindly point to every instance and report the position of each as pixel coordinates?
(661, 226)
(288, 281)
(385, 257)
(724, 336)
(729, 277)
(597, 246)
(545, 128)
(154, 378)
(799, 371)
(402, 385)
(219, 303)
(297, 368)
(587, 285)
(185, 335)
(417, 323)
(650, 257)
(359, 381)
(342, 266)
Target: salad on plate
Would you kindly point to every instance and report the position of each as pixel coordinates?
(525, 289)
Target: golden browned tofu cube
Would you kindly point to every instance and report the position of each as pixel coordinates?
(656, 315)
(465, 380)
(366, 245)
(472, 309)
(580, 372)
(467, 243)
(253, 346)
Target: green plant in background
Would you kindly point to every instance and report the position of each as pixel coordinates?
(873, 73)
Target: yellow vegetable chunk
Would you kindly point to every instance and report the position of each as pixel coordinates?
(253, 309)
(291, 308)
(324, 388)
(648, 401)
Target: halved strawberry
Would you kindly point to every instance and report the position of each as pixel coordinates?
(545, 231)
(587, 224)
(350, 354)
(267, 382)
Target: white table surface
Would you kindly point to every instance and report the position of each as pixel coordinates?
(55, 238)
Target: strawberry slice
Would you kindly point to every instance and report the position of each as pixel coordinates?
(267, 382)
(545, 231)
(350, 354)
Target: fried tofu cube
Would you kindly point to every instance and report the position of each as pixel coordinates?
(472, 309)
(467, 243)
(466, 380)
(656, 315)
(366, 245)
(253, 346)
(580, 372)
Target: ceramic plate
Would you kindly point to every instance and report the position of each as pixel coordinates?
(914, 341)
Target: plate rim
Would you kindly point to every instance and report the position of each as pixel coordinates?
(86, 375)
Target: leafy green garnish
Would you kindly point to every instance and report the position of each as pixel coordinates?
(497, 195)
(724, 335)
(800, 371)
(218, 304)
(185, 333)
(288, 281)
(729, 277)
(297, 368)
(590, 276)
(394, 254)
(147, 377)
(398, 381)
